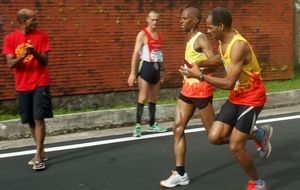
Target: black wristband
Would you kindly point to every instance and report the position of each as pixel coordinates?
(201, 77)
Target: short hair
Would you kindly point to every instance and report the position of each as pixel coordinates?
(221, 15)
(153, 12)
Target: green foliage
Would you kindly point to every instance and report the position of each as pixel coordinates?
(285, 85)
(7, 117)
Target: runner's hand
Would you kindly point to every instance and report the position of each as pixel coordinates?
(162, 76)
(193, 72)
(29, 47)
(131, 79)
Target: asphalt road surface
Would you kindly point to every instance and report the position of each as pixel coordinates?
(125, 163)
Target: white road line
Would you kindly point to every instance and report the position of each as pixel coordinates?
(126, 139)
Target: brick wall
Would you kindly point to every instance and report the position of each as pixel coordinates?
(297, 31)
(92, 41)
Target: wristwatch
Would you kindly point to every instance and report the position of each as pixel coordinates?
(201, 77)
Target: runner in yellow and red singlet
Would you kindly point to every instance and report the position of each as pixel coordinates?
(238, 115)
(194, 94)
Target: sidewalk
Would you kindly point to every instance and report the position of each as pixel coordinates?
(113, 122)
(6, 144)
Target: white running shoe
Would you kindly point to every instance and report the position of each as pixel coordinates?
(175, 179)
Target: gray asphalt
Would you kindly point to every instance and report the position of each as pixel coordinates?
(141, 164)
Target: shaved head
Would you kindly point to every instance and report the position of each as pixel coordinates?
(193, 12)
(27, 20)
(24, 14)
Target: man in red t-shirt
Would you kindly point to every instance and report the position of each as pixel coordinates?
(26, 51)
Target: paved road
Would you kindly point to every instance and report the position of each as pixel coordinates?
(124, 163)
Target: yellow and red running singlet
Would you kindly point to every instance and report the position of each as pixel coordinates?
(249, 89)
(193, 88)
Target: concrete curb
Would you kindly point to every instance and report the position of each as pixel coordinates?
(104, 119)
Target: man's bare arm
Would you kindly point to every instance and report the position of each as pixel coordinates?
(233, 71)
(212, 59)
(135, 58)
(203, 44)
(238, 54)
(12, 62)
(41, 58)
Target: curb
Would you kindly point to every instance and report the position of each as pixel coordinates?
(105, 119)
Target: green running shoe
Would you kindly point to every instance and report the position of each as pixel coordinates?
(156, 128)
(137, 131)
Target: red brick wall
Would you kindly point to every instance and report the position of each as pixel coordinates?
(92, 41)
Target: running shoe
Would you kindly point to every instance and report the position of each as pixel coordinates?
(156, 128)
(137, 131)
(263, 146)
(252, 185)
(175, 179)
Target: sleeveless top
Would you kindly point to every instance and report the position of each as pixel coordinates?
(249, 89)
(151, 52)
(194, 88)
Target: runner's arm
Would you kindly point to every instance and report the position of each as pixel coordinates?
(212, 61)
(205, 45)
(238, 54)
(135, 58)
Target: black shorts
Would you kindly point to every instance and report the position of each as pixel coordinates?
(241, 117)
(35, 104)
(150, 72)
(200, 103)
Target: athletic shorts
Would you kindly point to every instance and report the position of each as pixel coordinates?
(241, 117)
(150, 72)
(35, 104)
(200, 103)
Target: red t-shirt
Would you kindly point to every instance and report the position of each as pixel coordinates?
(30, 73)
